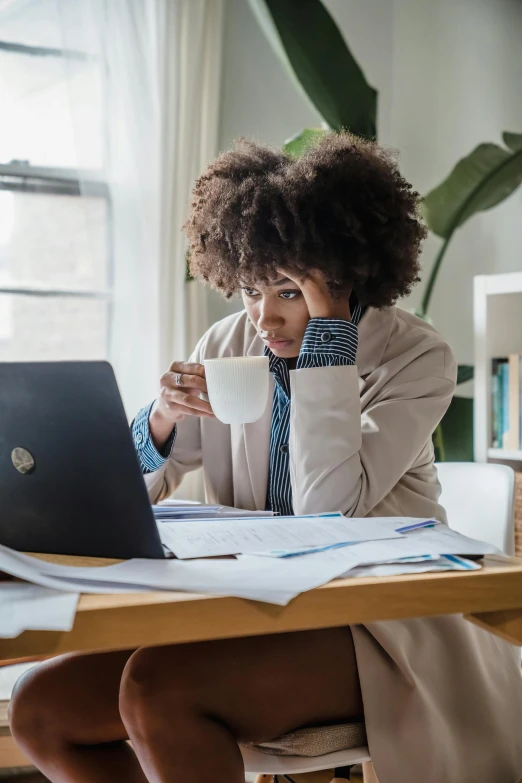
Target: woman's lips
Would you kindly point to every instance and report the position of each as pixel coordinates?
(277, 344)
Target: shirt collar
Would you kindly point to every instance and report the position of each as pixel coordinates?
(279, 369)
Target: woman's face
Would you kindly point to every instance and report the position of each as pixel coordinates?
(279, 313)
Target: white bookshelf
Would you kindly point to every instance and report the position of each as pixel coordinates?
(497, 316)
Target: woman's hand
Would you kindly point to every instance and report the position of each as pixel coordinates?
(318, 298)
(180, 388)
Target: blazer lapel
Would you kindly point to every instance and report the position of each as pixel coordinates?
(375, 329)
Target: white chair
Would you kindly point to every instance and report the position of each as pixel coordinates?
(284, 767)
(479, 499)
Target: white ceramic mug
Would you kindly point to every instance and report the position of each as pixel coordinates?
(238, 387)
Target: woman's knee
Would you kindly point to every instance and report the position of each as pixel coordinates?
(156, 682)
(29, 713)
(71, 699)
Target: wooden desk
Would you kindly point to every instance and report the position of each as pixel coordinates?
(491, 597)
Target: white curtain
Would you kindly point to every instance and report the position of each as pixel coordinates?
(190, 142)
(163, 62)
(190, 139)
(162, 84)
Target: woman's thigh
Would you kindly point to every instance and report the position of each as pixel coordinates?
(259, 687)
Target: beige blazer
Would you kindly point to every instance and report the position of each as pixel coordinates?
(442, 699)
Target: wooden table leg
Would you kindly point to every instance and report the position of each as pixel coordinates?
(506, 624)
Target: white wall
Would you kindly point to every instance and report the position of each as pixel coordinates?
(457, 75)
(448, 75)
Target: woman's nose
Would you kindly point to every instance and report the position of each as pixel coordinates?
(269, 317)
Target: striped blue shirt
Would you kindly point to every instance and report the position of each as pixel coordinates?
(326, 343)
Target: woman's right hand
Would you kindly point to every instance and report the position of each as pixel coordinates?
(178, 400)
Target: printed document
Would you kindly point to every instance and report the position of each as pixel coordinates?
(25, 607)
(230, 537)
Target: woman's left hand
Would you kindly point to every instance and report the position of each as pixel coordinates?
(318, 298)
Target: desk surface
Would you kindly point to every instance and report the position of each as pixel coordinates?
(490, 597)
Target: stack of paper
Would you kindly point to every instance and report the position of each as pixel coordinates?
(415, 566)
(280, 536)
(180, 502)
(170, 512)
(229, 552)
(277, 560)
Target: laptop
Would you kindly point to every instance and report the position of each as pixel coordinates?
(70, 480)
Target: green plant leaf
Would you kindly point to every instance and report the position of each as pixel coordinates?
(302, 141)
(480, 181)
(419, 312)
(512, 140)
(308, 41)
(438, 444)
(465, 372)
(457, 431)
(188, 274)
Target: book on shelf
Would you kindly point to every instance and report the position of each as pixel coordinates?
(506, 393)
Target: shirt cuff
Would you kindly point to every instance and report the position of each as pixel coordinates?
(150, 458)
(328, 342)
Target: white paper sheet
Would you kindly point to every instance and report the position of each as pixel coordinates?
(195, 507)
(420, 567)
(203, 513)
(179, 509)
(29, 568)
(227, 512)
(51, 575)
(179, 502)
(261, 579)
(440, 540)
(393, 524)
(26, 607)
(436, 542)
(229, 537)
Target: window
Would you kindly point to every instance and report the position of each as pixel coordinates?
(55, 259)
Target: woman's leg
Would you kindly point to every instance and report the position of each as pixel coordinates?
(186, 707)
(64, 714)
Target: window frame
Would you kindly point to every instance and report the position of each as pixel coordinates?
(20, 176)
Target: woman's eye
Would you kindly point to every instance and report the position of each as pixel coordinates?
(250, 291)
(289, 294)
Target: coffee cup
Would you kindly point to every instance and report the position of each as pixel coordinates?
(238, 387)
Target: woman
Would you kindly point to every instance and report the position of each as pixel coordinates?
(321, 248)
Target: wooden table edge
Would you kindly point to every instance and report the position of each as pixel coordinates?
(125, 621)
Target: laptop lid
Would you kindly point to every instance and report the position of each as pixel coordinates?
(70, 480)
